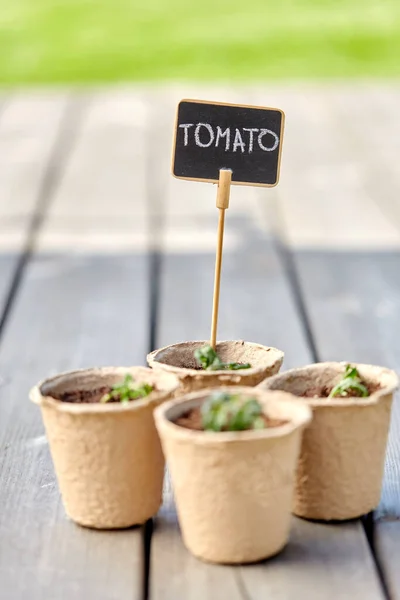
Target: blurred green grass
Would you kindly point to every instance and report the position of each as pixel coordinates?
(87, 41)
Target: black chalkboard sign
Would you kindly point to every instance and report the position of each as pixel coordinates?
(210, 136)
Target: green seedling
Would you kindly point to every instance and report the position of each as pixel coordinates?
(230, 412)
(351, 383)
(210, 361)
(127, 390)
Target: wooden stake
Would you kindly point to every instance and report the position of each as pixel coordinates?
(224, 188)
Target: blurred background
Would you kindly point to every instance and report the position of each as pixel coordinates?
(89, 41)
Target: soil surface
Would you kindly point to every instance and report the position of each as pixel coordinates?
(84, 396)
(323, 391)
(198, 367)
(192, 420)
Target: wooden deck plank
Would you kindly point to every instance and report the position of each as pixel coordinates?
(252, 284)
(388, 547)
(346, 250)
(383, 183)
(352, 287)
(325, 194)
(29, 128)
(321, 561)
(76, 307)
(379, 156)
(358, 321)
(257, 304)
(100, 206)
(78, 321)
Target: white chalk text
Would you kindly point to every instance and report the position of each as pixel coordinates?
(231, 139)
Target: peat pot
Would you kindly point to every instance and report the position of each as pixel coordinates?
(233, 490)
(340, 469)
(179, 359)
(107, 457)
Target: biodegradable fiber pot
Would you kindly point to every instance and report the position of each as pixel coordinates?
(108, 458)
(179, 359)
(233, 490)
(341, 463)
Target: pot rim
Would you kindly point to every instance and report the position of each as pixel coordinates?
(372, 370)
(275, 352)
(37, 397)
(301, 419)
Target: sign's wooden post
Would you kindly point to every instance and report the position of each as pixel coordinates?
(224, 190)
(228, 144)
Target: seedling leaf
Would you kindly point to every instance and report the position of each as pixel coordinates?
(127, 390)
(229, 412)
(351, 382)
(207, 358)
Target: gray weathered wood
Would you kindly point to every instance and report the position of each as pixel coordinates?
(252, 284)
(379, 154)
(68, 315)
(256, 304)
(101, 205)
(357, 320)
(341, 219)
(346, 248)
(29, 129)
(321, 561)
(76, 307)
(387, 543)
(378, 140)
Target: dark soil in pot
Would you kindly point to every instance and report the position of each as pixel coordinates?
(193, 420)
(323, 391)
